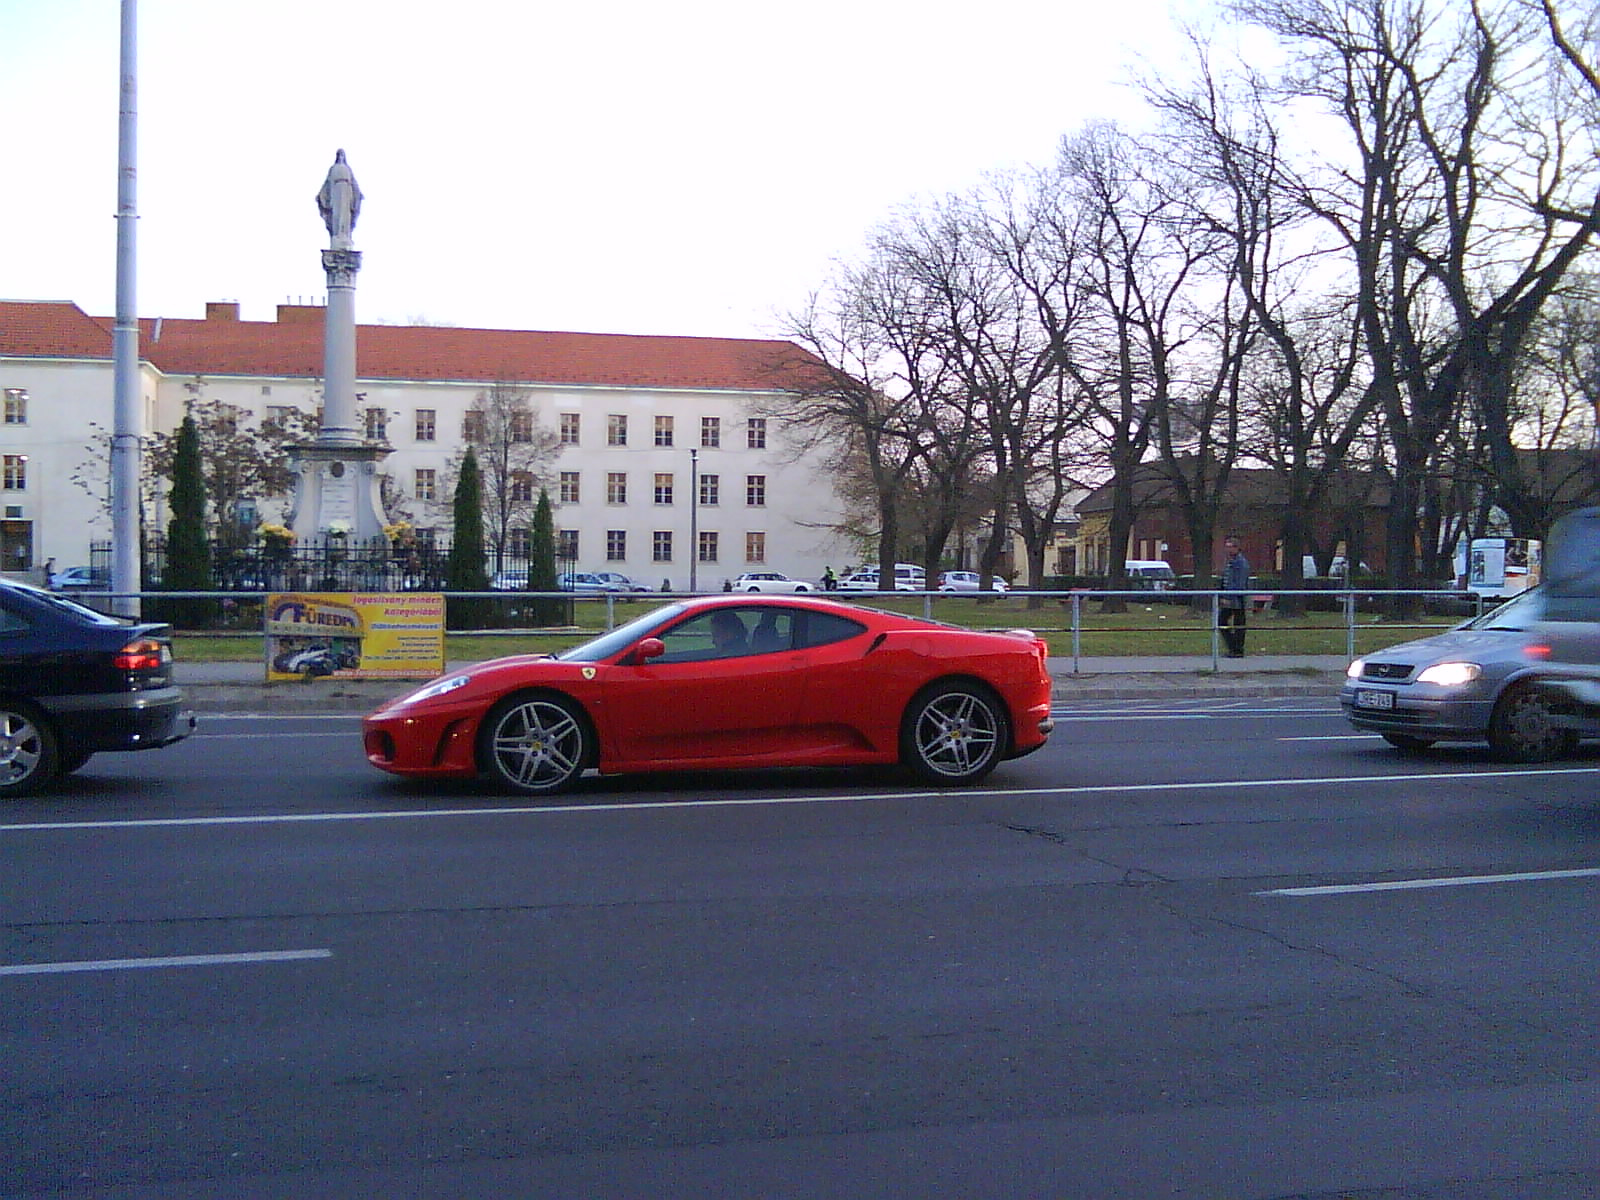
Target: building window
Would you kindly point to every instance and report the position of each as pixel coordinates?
(521, 543)
(661, 546)
(427, 485)
(708, 546)
(521, 429)
(711, 432)
(377, 424)
(569, 429)
(568, 491)
(755, 491)
(616, 487)
(664, 487)
(567, 545)
(521, 487)
(755, 547)
(755, 433)
(14, 476)
(16, 406)
(616, 545)
(472, 425)
(427, 424)
(710, 490)
(617, 430)
(663, 431)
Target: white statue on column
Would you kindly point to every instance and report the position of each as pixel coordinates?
(339, 201)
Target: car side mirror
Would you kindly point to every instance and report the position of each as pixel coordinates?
(650, 648)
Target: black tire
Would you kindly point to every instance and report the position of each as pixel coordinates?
(535, 742)
(954, 733)
(28, 754)
(1522, 729)
(1407, 742)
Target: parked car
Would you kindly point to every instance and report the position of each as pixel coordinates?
(1150, 574)
(74, 683)
(1513, 678)
(908, 577)
(620, 582)
(513, 580)
(81, 579)
(588, 582)
(730, 681)
(770, 581)
(967, 581)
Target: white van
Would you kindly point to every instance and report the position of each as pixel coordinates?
(1151, 574)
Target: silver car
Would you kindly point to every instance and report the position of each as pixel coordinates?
(1515, 678)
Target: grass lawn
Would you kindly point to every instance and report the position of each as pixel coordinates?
(1163, 629)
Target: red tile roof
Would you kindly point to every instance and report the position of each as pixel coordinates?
(291, 347)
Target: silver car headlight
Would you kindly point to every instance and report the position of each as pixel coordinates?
(1353, 671)
(1451, 674)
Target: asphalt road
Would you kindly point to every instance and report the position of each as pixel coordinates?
(250, 966)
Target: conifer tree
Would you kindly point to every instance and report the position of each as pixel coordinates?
(466, 569)
(188, 564)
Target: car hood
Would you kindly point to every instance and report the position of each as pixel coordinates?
(1471, 645)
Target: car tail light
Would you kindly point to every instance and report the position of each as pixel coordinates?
(141, 654)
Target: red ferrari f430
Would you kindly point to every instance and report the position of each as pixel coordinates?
(730, 681)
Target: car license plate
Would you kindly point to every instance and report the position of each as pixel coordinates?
(1373, 698)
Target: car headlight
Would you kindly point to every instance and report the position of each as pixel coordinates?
(439, 687)
(1450, 674)
(1353, 671)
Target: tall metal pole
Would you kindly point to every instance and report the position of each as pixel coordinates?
(127, 421)
(694, 516)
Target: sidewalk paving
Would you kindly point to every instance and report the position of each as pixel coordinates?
(241, 687)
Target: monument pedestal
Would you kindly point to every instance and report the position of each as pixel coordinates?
(337, 490)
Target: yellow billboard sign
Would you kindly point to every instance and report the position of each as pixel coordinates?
(354, 635)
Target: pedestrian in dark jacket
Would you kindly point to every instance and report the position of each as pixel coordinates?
(1233, 603)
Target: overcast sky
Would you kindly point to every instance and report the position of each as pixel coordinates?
(692, 167)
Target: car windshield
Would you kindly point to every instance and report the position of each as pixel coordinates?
(620, 638)
(1517, 613)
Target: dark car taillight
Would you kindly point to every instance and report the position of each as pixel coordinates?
(141, 654)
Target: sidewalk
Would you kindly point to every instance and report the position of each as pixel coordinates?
(241, 687)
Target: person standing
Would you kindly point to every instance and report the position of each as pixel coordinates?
(1233, 603)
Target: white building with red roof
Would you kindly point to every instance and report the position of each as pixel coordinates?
(627, 409)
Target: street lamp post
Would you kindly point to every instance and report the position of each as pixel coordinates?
(694, 515)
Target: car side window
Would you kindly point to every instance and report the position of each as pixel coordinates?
(729, 633)
(823, 629)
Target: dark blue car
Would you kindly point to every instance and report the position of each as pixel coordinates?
(74, 683)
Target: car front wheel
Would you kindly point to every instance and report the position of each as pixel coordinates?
(28, 754)
(1523, 728)
(535, 743)
(954, 733)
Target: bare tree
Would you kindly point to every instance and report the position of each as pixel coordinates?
(514, 451)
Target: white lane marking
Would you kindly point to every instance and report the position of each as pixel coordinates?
(300, 737)
(1103, 789)
(1399, 885)
(178, 960)
(1333, 737)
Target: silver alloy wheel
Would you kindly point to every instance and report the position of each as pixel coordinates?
(1522, 728)
(955, 733)
(27, 753)
(535, 743)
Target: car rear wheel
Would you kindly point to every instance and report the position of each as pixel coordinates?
(954, 733)
(1523, 728)
(535, 743)
(28, 754)
(1407, 742)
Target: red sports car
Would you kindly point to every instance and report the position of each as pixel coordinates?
(730, 681)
